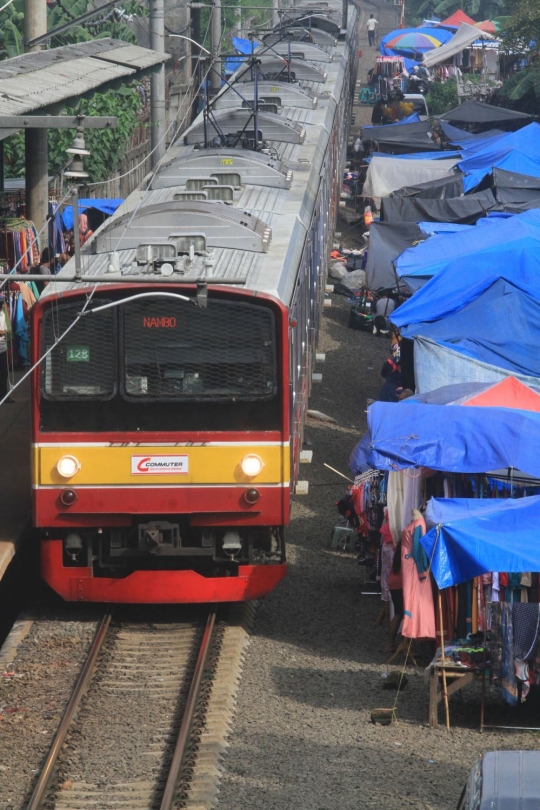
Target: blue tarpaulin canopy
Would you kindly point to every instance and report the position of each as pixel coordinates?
(107, 206)
(515, 152)
(474, 536)
(246, 46)
(510, 251)
(450, 438)
(501, 327)
(418, 264)
(461, 136)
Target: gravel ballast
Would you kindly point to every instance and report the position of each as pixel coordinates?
(303, 737)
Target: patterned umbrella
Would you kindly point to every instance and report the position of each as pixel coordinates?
(413, 41)
(489, 26)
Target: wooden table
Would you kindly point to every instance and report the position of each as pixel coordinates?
(456, 678)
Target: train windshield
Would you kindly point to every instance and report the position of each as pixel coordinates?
(174, 350)
(160, 363)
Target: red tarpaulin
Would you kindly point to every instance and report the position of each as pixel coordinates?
(509, 393)
(457, 18)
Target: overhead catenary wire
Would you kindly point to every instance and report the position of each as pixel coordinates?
(91, 294)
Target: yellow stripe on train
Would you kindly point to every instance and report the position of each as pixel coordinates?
(154, 464)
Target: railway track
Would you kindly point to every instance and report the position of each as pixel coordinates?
(147, 723)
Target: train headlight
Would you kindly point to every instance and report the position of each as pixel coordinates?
(252, 465)
(68, 466)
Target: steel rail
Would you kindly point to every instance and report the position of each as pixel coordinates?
(187, 719)
(82, 684)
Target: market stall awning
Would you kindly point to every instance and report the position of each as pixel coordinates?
(473, 262)
(469, 537)
(386, 174)
(478, 112)
(449, 438)
(500, 328)
(386, 242)
(457, 18)
(463, 38)
(464, 210)
(105, 205)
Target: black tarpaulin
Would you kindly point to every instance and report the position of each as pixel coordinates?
(520, 207)
(478, 112)
(517, 195)
(395, 132)
(439, 189)
(461, 136)
(413, 136)
(386, 242)
(463, 210)
(504, 179)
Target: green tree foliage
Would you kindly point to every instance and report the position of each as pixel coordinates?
(477, 9)
(107, 146)
(522, 30)
(442, 97)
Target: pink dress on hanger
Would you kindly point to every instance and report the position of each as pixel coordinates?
(419, 617)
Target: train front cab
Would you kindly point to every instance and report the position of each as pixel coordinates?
(161, 446)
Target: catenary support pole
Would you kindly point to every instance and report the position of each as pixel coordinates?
(344, 15)
(157, 82)
(275, 14)
(196, 51)
(36, 151)
(215, 29)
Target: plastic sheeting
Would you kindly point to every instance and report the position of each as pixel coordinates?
(439, 155)
(434, 190)
(491, 329)
(107, 206)
(478, 112)
(460, 136)
(438, 364)
(407, 135)
(386, 174)
(463, 38)
(504, 179)
(517, 152)
(469, 537)
(504, 248)
(385, 243)
(246, 46)
(417, 265)
(465, 210)
(473, 440)
(442, 227)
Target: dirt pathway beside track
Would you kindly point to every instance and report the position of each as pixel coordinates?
(302, 736)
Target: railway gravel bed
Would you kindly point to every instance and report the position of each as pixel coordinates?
(119, 748)
(303, 736)
(36, 681)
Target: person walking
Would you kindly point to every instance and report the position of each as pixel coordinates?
(371, 25)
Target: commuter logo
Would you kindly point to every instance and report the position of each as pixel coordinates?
(159, 465)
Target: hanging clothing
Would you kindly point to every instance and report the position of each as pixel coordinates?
(419, 617)
(508, 673)
(387, 555)
(395, 501)
(526, 623)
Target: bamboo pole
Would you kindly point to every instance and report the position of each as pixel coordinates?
(443, 663)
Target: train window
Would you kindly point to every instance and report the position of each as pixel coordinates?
(83, 365)
(175, 351)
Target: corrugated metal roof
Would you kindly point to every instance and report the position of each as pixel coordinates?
(37, 80)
